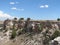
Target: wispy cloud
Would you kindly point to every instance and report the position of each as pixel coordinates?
(18, 9)
(12, 3)
(44, 6)
(21, 9)
(5, 15)
(14, 8)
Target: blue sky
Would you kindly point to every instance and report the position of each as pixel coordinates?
(35, 9)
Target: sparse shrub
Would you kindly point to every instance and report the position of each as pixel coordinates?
(20, 31)
(58, 19)
(56, 34)
(13, 34)
(40, 27)
(46, 41)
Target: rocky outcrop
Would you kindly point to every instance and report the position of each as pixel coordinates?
(34, 37)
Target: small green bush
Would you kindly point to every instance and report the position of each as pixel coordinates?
(58, 19)
(13, 34)
(56, 34)
(40, 28)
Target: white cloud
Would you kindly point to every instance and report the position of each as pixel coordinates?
(18, 9)
(12, 3)
(14, 8)
(5, 15)
(44, 6)
(41, 6)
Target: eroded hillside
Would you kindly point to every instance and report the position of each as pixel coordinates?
(28, 32)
